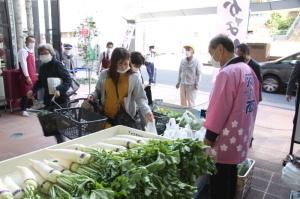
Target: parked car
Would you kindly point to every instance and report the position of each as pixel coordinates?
(276, 74)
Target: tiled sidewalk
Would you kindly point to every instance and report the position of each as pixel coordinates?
(271, 143)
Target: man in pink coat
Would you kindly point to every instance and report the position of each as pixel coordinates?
(230, 116)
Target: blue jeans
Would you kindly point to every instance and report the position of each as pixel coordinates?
(150, 70)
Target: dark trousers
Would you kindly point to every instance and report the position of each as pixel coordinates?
(25, 103)
(150, 70)
(223, 184)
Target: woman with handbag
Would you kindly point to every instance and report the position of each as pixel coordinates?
(51, 67)
(120, 89)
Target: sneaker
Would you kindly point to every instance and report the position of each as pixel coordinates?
(24, 113)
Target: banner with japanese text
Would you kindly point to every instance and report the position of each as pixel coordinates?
(128, 35)
(232, 19)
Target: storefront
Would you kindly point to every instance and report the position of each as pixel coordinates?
(7, 36)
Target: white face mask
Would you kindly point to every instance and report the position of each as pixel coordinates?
(109, 50)
(31, 46)
(67, 52)
(215, 63)
(188, 53)
(135, 68)
(45, 58)
(123, 71)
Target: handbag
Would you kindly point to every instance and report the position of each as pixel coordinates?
(74, 85)
(124, 118)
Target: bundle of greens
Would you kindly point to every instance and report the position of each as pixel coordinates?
(169, 113)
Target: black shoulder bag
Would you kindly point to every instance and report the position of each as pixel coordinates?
(123, 118)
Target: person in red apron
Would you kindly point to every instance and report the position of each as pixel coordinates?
(105, 58)
(27, 72)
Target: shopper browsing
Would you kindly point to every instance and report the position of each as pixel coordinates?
(68, 57)
(230, 116)
(190, 71)
(51, 67)
(128, 83)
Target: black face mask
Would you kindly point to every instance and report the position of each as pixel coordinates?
(241, 58)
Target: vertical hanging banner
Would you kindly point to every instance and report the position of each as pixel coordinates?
(128, 35)
(232, 19)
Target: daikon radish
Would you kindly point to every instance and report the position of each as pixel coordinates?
(4, 192)
(121, 141)
(70, 155)
(15, 189)
(106, 146)
(46, 171)
(57, 167)
(72, 166)
(76, 147)
(27, 177)
(48, 187)
(80, 169)
(135, 138)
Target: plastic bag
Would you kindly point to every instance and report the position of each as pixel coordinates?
(150, 128)
(243, 167)
(172, 129)
(189, 118)
(291, 176)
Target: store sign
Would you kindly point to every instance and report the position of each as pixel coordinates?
(85, 32)
(232, 19)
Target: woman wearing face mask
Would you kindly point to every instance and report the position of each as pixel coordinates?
(190, 71)
(130, 89)
(51, 67)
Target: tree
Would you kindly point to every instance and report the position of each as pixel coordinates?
(85, 49)
(30, 26)
(273, 22)
(19, 25)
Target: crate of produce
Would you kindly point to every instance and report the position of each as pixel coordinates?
(78, 122)
(244, 182)
(160, 122)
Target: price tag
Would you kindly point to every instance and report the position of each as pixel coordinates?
(159, 102)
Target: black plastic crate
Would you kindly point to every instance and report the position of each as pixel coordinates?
(78, 122)
(160, 122)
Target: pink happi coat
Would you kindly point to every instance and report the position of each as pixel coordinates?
(231, 113)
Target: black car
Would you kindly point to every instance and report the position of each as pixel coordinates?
(276, 74)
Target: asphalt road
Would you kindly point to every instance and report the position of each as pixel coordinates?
(167, 73)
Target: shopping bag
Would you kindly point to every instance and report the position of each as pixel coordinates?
(150, 128)
(291, 176)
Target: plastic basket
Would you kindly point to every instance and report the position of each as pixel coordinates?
(244, 182)
(160, 122)
(78, 122)
(48, 123)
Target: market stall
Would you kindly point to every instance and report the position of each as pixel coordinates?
(162, 168)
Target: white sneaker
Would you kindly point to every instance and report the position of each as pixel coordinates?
(24, 113)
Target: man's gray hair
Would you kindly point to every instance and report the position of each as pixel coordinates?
(48, 47)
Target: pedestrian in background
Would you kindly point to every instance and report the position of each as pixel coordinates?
(105, 57)
(27, 72)
(51, 67)
(230, 116)
(243, 50)
(190, 72)
(149, 63)
(68, 58)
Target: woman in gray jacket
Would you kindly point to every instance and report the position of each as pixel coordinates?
(129, 87)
